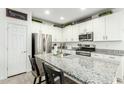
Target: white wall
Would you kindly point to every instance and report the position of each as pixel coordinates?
(4, 21)
(3, 69)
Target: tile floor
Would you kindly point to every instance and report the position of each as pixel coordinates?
(26, 78)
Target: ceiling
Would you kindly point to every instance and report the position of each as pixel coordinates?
(69, 14)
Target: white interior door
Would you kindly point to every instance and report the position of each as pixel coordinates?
(16, 49)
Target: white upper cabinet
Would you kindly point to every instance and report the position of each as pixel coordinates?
(70, 33)
(75, 33)
(89, 26)
(54, 39)
(64, 35)
(67, 34)
(99, 29)
(86, 27)
(56, 34)
(109, 28)
(106, 28)
(114, 26)
(82, 28)
(48, 29)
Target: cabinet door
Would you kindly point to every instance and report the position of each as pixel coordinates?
(113, 23)
(75, 33)
(82, 28)
(68, 34)
(64, 36)
(54, 39)
(99, 29)
(89, 26)
(58, 34)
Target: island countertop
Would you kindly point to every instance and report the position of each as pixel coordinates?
(84, 69)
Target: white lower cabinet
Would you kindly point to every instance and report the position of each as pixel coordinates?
(120, 70)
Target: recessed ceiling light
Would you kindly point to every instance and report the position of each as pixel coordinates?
(82, 8)
(62, 18)
(47, 12)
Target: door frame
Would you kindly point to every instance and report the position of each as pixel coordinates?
(7, 43)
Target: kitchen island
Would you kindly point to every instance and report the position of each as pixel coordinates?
(84, 69)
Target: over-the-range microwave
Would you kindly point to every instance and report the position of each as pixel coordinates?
(86, 36)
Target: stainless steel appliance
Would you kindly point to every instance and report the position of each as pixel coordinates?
(85, 50)
(86, 36)
(41, 43)
(83, 53)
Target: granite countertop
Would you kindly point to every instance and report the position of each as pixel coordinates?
(84, 69)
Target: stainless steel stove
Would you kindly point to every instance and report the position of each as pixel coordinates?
(85, 50)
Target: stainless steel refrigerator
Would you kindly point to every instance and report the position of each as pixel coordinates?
(41, 43)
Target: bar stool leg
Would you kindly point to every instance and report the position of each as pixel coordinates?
(34, 80)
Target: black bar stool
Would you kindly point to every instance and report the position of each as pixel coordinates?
(35, 70)
(51, 73)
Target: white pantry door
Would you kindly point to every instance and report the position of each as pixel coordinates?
(16, 49)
